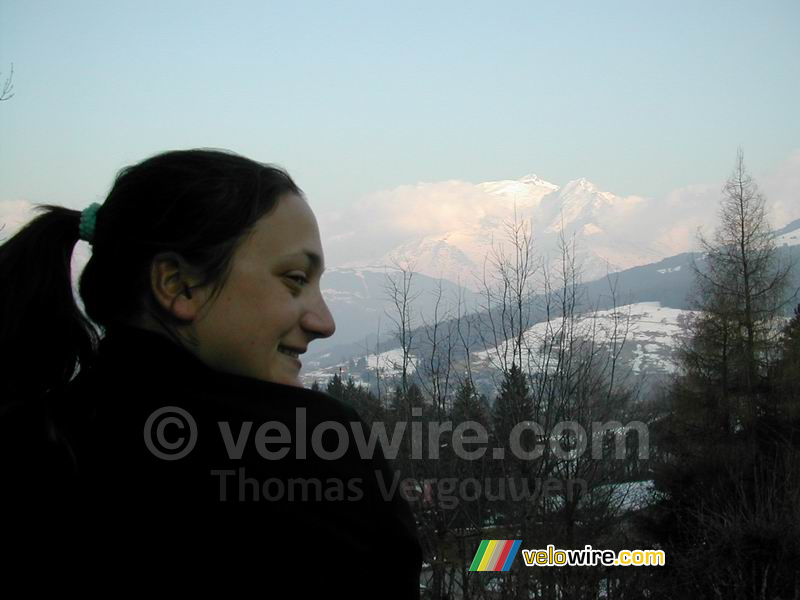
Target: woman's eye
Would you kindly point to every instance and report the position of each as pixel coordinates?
(298, 278)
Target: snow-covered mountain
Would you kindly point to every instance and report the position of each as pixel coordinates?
(597, 220)
(458, 254)
(578, 205)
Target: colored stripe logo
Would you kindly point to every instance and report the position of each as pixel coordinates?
(495, 555)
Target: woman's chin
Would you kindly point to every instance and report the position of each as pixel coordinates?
(292, 380)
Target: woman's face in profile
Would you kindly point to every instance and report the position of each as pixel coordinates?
(270, 307)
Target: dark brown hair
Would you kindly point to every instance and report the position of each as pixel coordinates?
(196, 203)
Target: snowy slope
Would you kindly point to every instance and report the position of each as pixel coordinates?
(648, 332)
(649, 335)
(791, 238)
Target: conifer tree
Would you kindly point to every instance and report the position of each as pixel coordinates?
(513, 404)
(730, 470)
(740, 289)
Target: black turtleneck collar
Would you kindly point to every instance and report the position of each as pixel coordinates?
(157, 355)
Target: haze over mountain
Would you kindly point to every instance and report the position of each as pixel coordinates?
(596, 219)
(445, 218)
(448, 229)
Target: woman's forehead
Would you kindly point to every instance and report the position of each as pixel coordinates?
(290, 229)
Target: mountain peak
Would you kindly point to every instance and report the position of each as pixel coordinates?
(534, 179)
(580, 184)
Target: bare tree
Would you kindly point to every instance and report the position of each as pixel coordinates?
(564, 369)
(559, 363)
(508, 288)
(7, 92)
(435, 374)
(400, 293)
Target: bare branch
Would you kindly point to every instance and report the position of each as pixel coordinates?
(7, 91)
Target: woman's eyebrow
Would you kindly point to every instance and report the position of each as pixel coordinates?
(314, 259)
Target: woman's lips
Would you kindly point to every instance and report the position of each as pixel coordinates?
(293, 353)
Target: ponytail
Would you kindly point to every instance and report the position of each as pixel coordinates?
(44, 335)
(197, 203)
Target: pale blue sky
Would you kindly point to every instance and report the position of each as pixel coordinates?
(355, 97)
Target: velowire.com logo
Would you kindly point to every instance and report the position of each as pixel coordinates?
(495, 555)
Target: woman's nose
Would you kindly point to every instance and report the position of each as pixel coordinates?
(318, 319)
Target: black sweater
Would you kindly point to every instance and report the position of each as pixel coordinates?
(322, 517)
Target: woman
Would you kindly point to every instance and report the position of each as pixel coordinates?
(205, 281)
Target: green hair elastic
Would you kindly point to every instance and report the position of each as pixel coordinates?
(88, 222)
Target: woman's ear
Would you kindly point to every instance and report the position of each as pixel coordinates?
(172, 280)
